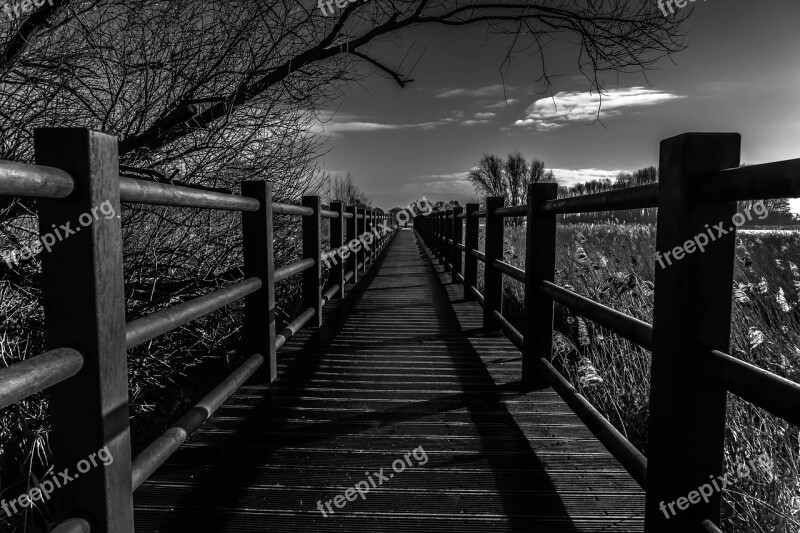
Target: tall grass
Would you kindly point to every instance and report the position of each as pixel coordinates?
(614, 264)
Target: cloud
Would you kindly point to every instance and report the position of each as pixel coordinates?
(502, 103)
(452, 186)
(482, 116)
(330, 123)
(482, 92)
(473, 122)
(565, 107)
(570, 177)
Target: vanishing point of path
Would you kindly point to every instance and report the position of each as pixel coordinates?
(406, 367)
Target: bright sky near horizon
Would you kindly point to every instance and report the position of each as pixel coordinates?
(740, 73)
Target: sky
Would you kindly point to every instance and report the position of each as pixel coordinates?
(739, 73)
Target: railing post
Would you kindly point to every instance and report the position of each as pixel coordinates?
(259, 262)
(312, 249)
(493, 278)
(692, 314)
(84, 308)
(362, 228)
(457, 236)
(373, 246)
(540, 264)
(471, 242)
(351, 227)
(449, 249)
(441, 245)
(337, 241)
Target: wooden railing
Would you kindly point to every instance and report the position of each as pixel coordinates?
(691, 369)
(86, 335)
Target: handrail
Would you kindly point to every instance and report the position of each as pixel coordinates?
(700, 181)
(161, 322)
(509, 270)
(295, 268)
(762, 388)
(38, 181)
(83, 306)
(623, 325)
(164, 446)
(73, 525)
(513, 211)
(629, 198)
(35, 374)
(293, 327)
(756, 182)
(137, 191)
(291, 209)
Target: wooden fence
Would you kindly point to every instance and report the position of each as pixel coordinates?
(86, 334)
(691, 370)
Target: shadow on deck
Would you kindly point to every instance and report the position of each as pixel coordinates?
(401, 364)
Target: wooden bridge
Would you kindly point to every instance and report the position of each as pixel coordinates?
(410, 403)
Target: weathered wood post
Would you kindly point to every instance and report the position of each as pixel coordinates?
(259, 262)
(362, 228)
(337, 241)
(692, 314)
(312, 249)
(471, 242)
(352, 232)
(440, 236)
(84, 308)
(457, 236)
(449, 248)
(493, 278)
(540, 264)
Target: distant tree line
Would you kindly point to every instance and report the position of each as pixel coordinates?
(510, 179)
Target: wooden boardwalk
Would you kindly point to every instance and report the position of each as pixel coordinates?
(405, 366)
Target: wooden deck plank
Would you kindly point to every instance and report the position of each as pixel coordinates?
(402, 364)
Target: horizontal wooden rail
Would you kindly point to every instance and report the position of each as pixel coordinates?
(615, 442)
(629, 198)
(73, 525)
(288, 332)
(166, 320)
(473, 290)
(137, 191)
(511, 332)
(511, 211)
(164, 446)
(700, 181)
(477, 254)
(326, 213)
(291, 209)
(23, 379)
(623, 325)
(295, 268)
(509, 270)
(757, 182)
(328, 295)
(37, 181)
(762, 388)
